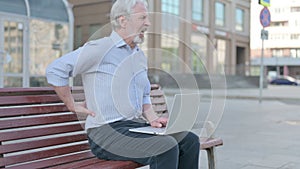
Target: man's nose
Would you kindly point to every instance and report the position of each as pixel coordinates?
(147, 22)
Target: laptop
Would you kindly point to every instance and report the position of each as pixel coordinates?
(182, 116)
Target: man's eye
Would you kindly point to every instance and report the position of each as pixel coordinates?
(143, 17)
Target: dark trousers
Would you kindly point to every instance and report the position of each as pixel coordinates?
(115, 142)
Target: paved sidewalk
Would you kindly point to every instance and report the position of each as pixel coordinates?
(270, 93)
(257, 135)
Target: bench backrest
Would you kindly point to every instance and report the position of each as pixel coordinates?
(37, 130)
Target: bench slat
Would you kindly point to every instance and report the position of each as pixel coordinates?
(28, 145)
(73, 158)
(114, 164)
(26, 122)
(156, 93)
(24, 91)
(16, 91)
(29, 99)
(44, 131)
(32, 110)
(159, 100)
(160, 108)
(155, 86)
(35, 99)
(10, 160)
(79, 164)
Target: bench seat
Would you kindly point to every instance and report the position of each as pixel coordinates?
(38, 131)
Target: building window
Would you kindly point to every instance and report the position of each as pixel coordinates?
(199, 52)
(13, 48)
(279, 24)
(93, 28)
(220, 14)
(170, 6)
(197, 10)
(221, 54)
(295, 36)
(295, 9)
(279, 10)
(277, 52)
(279, 36)
(170, 35)
(297, 23)
(295, 53)
(78, 36)
(239, 19)
(170, 23)
(49, 40)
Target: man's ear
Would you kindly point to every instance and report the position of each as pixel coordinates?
(123, 21)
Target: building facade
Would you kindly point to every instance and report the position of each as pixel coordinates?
(216, 31)
(90, 16)
(202, 36)
(32, 34)
(282, 49)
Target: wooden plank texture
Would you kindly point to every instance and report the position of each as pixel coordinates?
(76, 159)
(42, 154)
(37, 132)
(34, 121)
(32, 110)
(40, 143)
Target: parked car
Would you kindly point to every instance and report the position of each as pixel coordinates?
(285, 80)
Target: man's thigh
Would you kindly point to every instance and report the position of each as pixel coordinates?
(116, 141)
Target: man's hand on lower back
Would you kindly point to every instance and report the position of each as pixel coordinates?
(80, 107)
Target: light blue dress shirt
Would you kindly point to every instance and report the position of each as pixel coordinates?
(114, 77)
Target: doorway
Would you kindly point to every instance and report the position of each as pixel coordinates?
(240, 60)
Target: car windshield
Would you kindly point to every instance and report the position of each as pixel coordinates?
(290, 78)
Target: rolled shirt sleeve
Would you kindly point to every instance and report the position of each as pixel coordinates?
(59, 71)
(146, 95)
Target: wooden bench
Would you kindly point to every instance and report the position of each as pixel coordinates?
(37, 131)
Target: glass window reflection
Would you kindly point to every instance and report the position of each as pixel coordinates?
(48, 41)
(197, 10)
(199, 46)
(239, 19)
(13, 45)
(170, 34)
(220, 14)
(170, 6)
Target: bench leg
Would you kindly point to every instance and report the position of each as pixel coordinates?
(211, 158)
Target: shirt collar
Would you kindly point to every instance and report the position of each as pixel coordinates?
(116, 38)
(119, 41)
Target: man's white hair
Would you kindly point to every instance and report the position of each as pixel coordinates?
(123, 8)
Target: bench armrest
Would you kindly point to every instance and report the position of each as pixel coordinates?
(206, 128)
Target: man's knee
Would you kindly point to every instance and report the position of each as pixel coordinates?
(193, 139)
(166, 144)
(188, 139)
(186, 136)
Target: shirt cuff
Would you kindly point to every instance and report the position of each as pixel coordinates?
(146, 100)
(57, 81)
